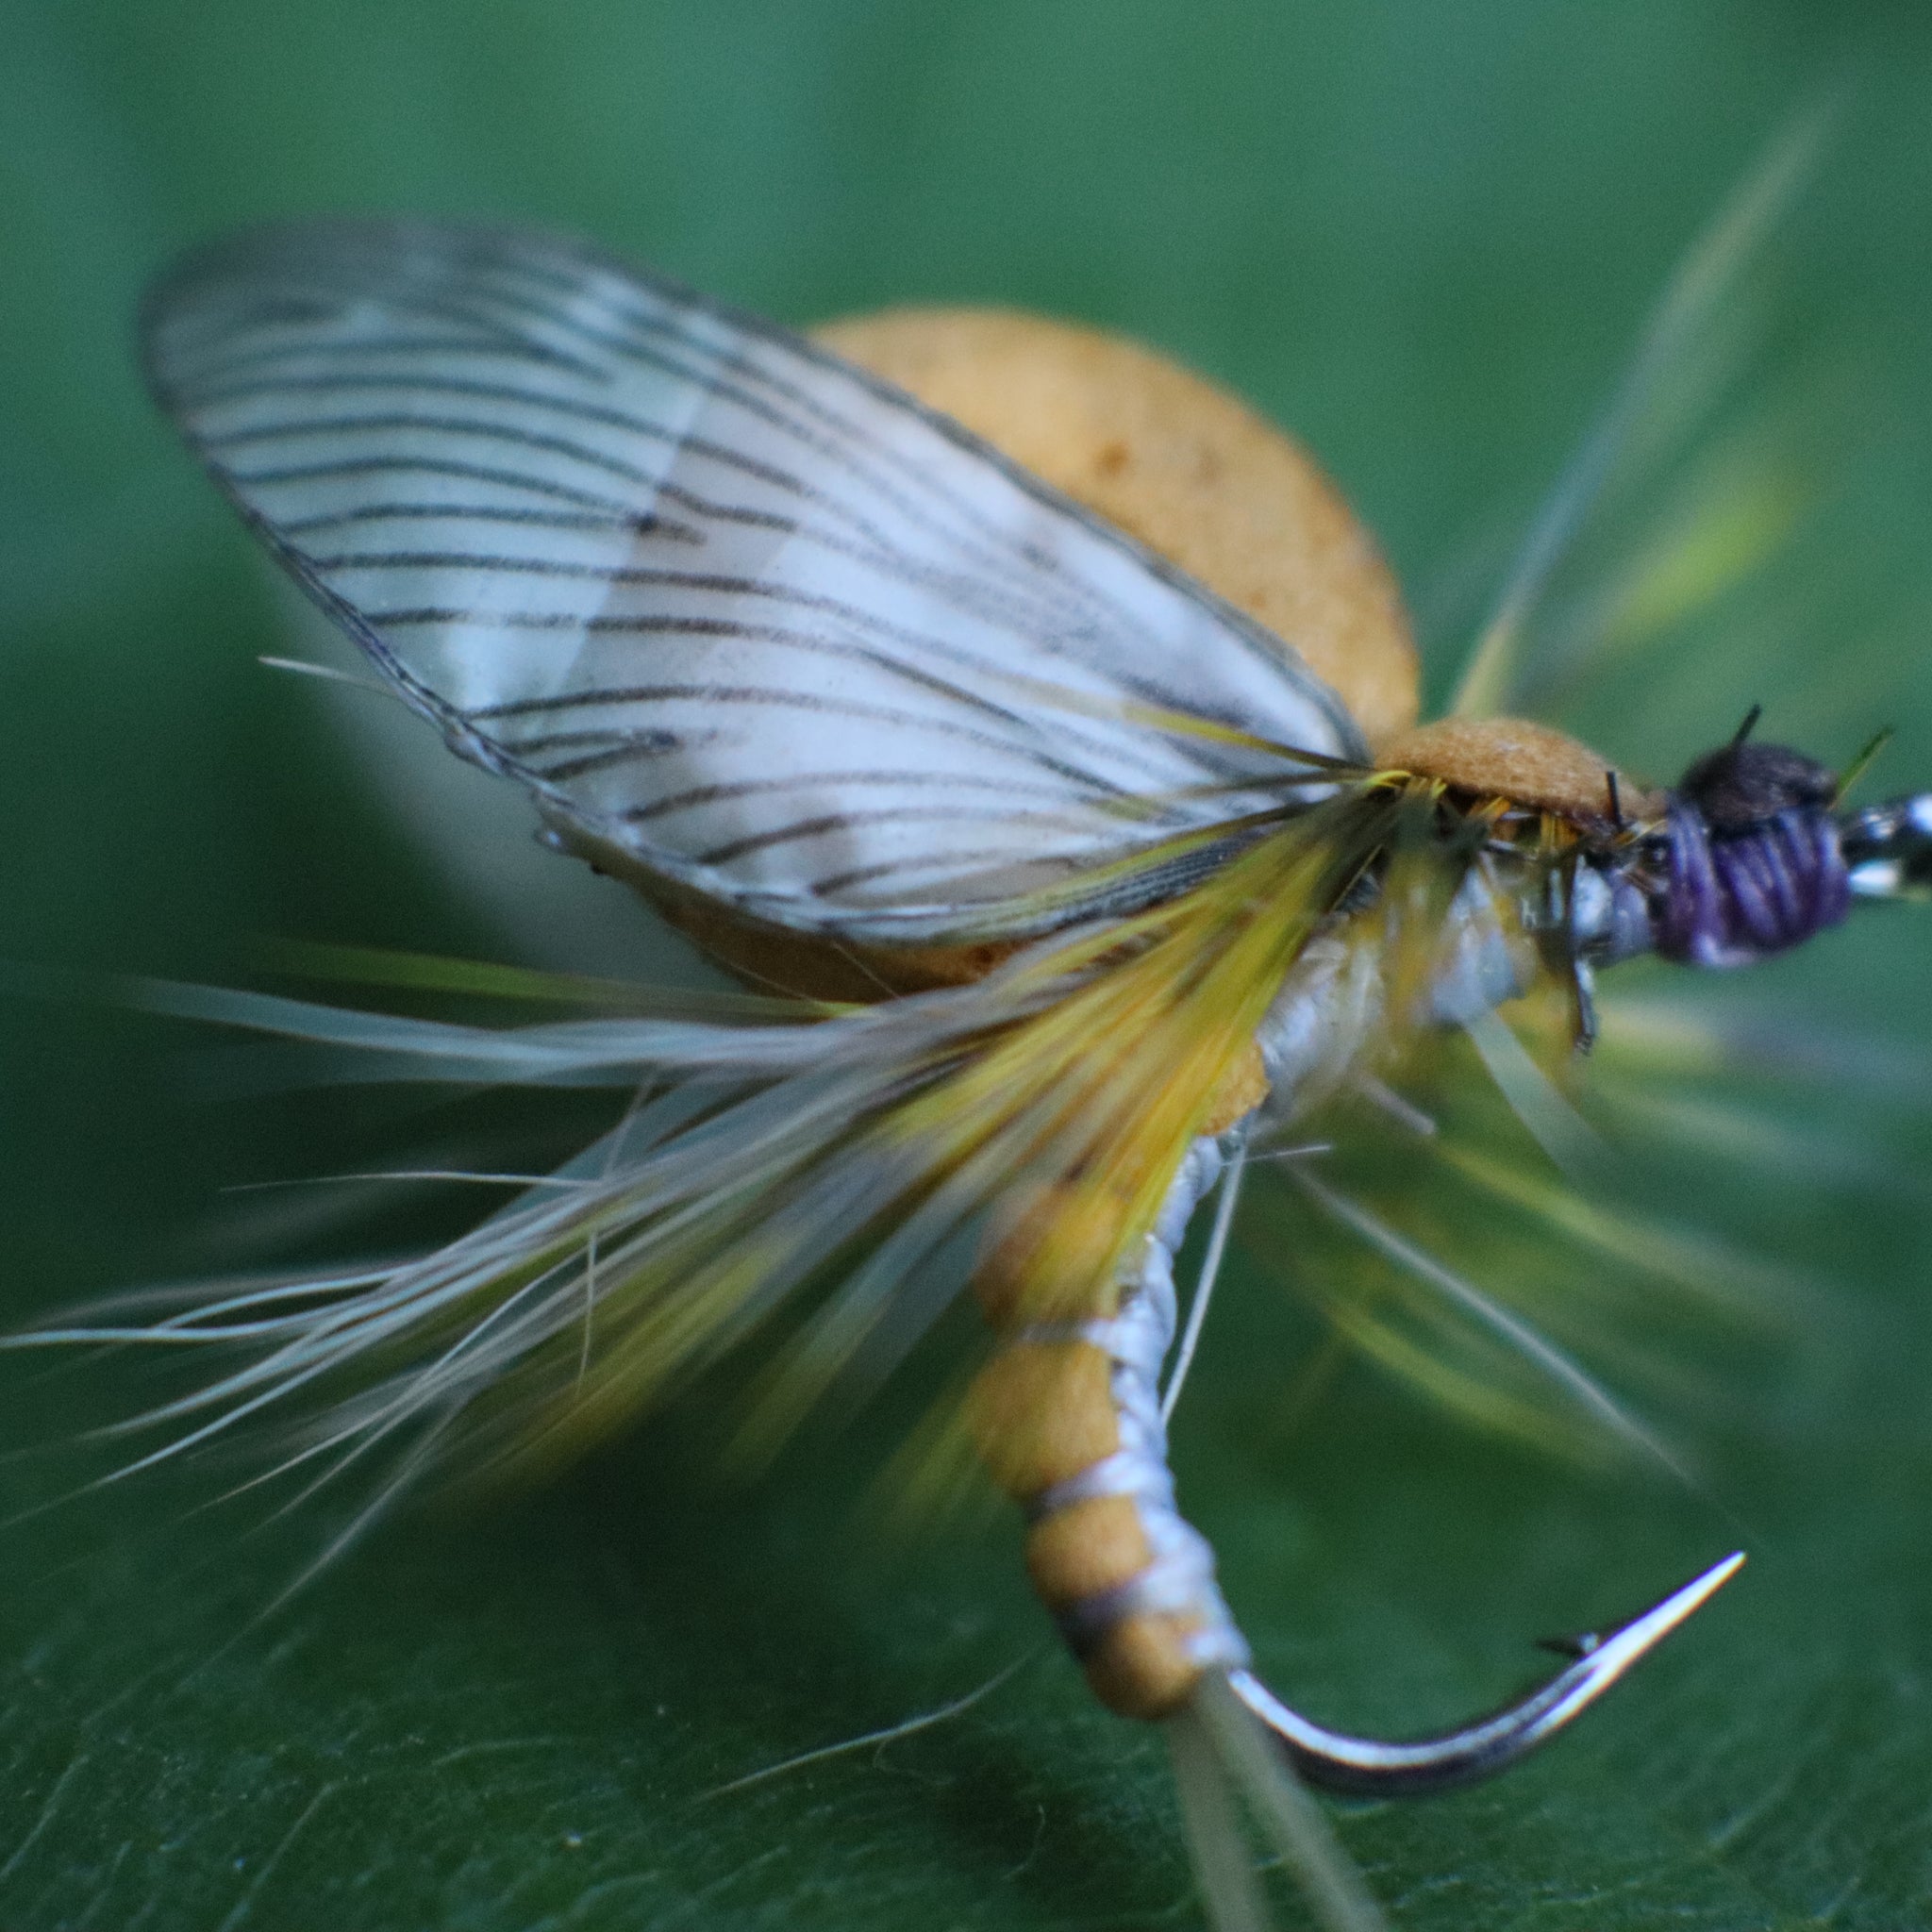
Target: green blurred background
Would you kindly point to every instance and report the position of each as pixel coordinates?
(1419, 231)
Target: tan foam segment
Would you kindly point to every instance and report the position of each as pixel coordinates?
(1144, 1666)
(1043, 1412)
(1512, 758)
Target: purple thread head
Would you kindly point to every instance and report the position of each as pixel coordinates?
(1752, 859)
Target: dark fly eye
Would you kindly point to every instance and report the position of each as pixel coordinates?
(1743, 785)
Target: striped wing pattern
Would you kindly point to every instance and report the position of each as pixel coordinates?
(718, 600)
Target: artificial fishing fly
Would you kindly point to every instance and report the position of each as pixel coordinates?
(1080, 879)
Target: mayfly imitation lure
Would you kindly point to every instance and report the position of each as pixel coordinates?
(1080, 879)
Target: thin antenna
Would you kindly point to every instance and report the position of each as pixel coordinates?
(1616, 799)
(1748, 727)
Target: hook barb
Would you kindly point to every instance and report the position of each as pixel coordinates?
(1367, 1768)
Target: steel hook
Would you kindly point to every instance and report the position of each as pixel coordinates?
(1364, 1767)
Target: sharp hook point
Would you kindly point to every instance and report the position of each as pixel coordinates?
(1365, 1767)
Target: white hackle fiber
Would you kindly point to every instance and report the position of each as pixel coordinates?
(728, 1116)
(1224, 1762)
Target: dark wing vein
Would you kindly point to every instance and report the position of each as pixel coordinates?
(905, 672)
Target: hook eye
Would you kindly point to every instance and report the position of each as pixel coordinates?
(1888, 848)
(1367, 1768)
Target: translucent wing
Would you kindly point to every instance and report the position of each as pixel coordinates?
(724, 603)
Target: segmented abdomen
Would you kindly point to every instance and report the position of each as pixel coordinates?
(1068, 1415)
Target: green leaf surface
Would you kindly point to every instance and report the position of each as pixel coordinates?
(1421, 234)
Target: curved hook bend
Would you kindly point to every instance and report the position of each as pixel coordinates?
(1364, 1767)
